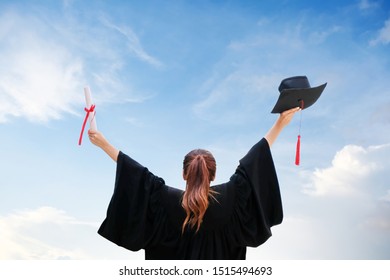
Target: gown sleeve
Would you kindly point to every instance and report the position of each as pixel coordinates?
(133, 218)
(259, 200)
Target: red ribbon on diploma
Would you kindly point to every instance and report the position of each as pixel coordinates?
(90, 110)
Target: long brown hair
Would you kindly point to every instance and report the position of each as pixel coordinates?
(199, 169)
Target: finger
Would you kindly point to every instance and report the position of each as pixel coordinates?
(293, 110)
(93, 133)
(289, 111)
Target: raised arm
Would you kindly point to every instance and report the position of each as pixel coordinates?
(283, 120)
(97, 138)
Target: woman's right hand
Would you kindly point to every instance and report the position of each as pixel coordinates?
(286, 116)
(283, 120)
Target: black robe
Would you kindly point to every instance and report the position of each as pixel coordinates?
(144, 213)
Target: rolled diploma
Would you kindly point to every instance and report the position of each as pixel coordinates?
(88, 101)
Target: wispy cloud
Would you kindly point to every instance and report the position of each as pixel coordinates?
(242, 83)
(318, 37)
(367, 5)
(242, 93)
(383, 36)
(133, 43)
(134, 122)
(44, 67)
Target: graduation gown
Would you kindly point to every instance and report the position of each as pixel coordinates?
(145, 213)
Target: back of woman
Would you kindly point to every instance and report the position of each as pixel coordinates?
(202, 222)
(144, 213)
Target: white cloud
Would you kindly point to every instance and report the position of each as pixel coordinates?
(383, 35)
(315, 237)
(48, 233)
(346, 214)
(382, 223)
(39, 78)
(386, 197)
(352, 170)
(43, 233)
(45, 62)
(367, 5)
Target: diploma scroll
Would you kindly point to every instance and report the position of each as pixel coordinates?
(90, 116)
(88, 101)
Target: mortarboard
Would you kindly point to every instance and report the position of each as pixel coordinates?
(296, 92)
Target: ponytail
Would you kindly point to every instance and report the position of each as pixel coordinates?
(199, 169)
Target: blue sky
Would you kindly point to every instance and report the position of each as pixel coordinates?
(168, 77)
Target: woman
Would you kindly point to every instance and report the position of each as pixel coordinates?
(202, 222)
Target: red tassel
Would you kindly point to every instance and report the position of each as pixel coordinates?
(298, 151)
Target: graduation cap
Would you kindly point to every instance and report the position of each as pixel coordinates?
(297, 92)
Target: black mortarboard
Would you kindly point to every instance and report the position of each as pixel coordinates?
(296, 92)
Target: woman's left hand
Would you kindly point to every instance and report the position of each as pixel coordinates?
(97, 138)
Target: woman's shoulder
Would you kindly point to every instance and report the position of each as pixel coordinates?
(169, 200)
(221, 206)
